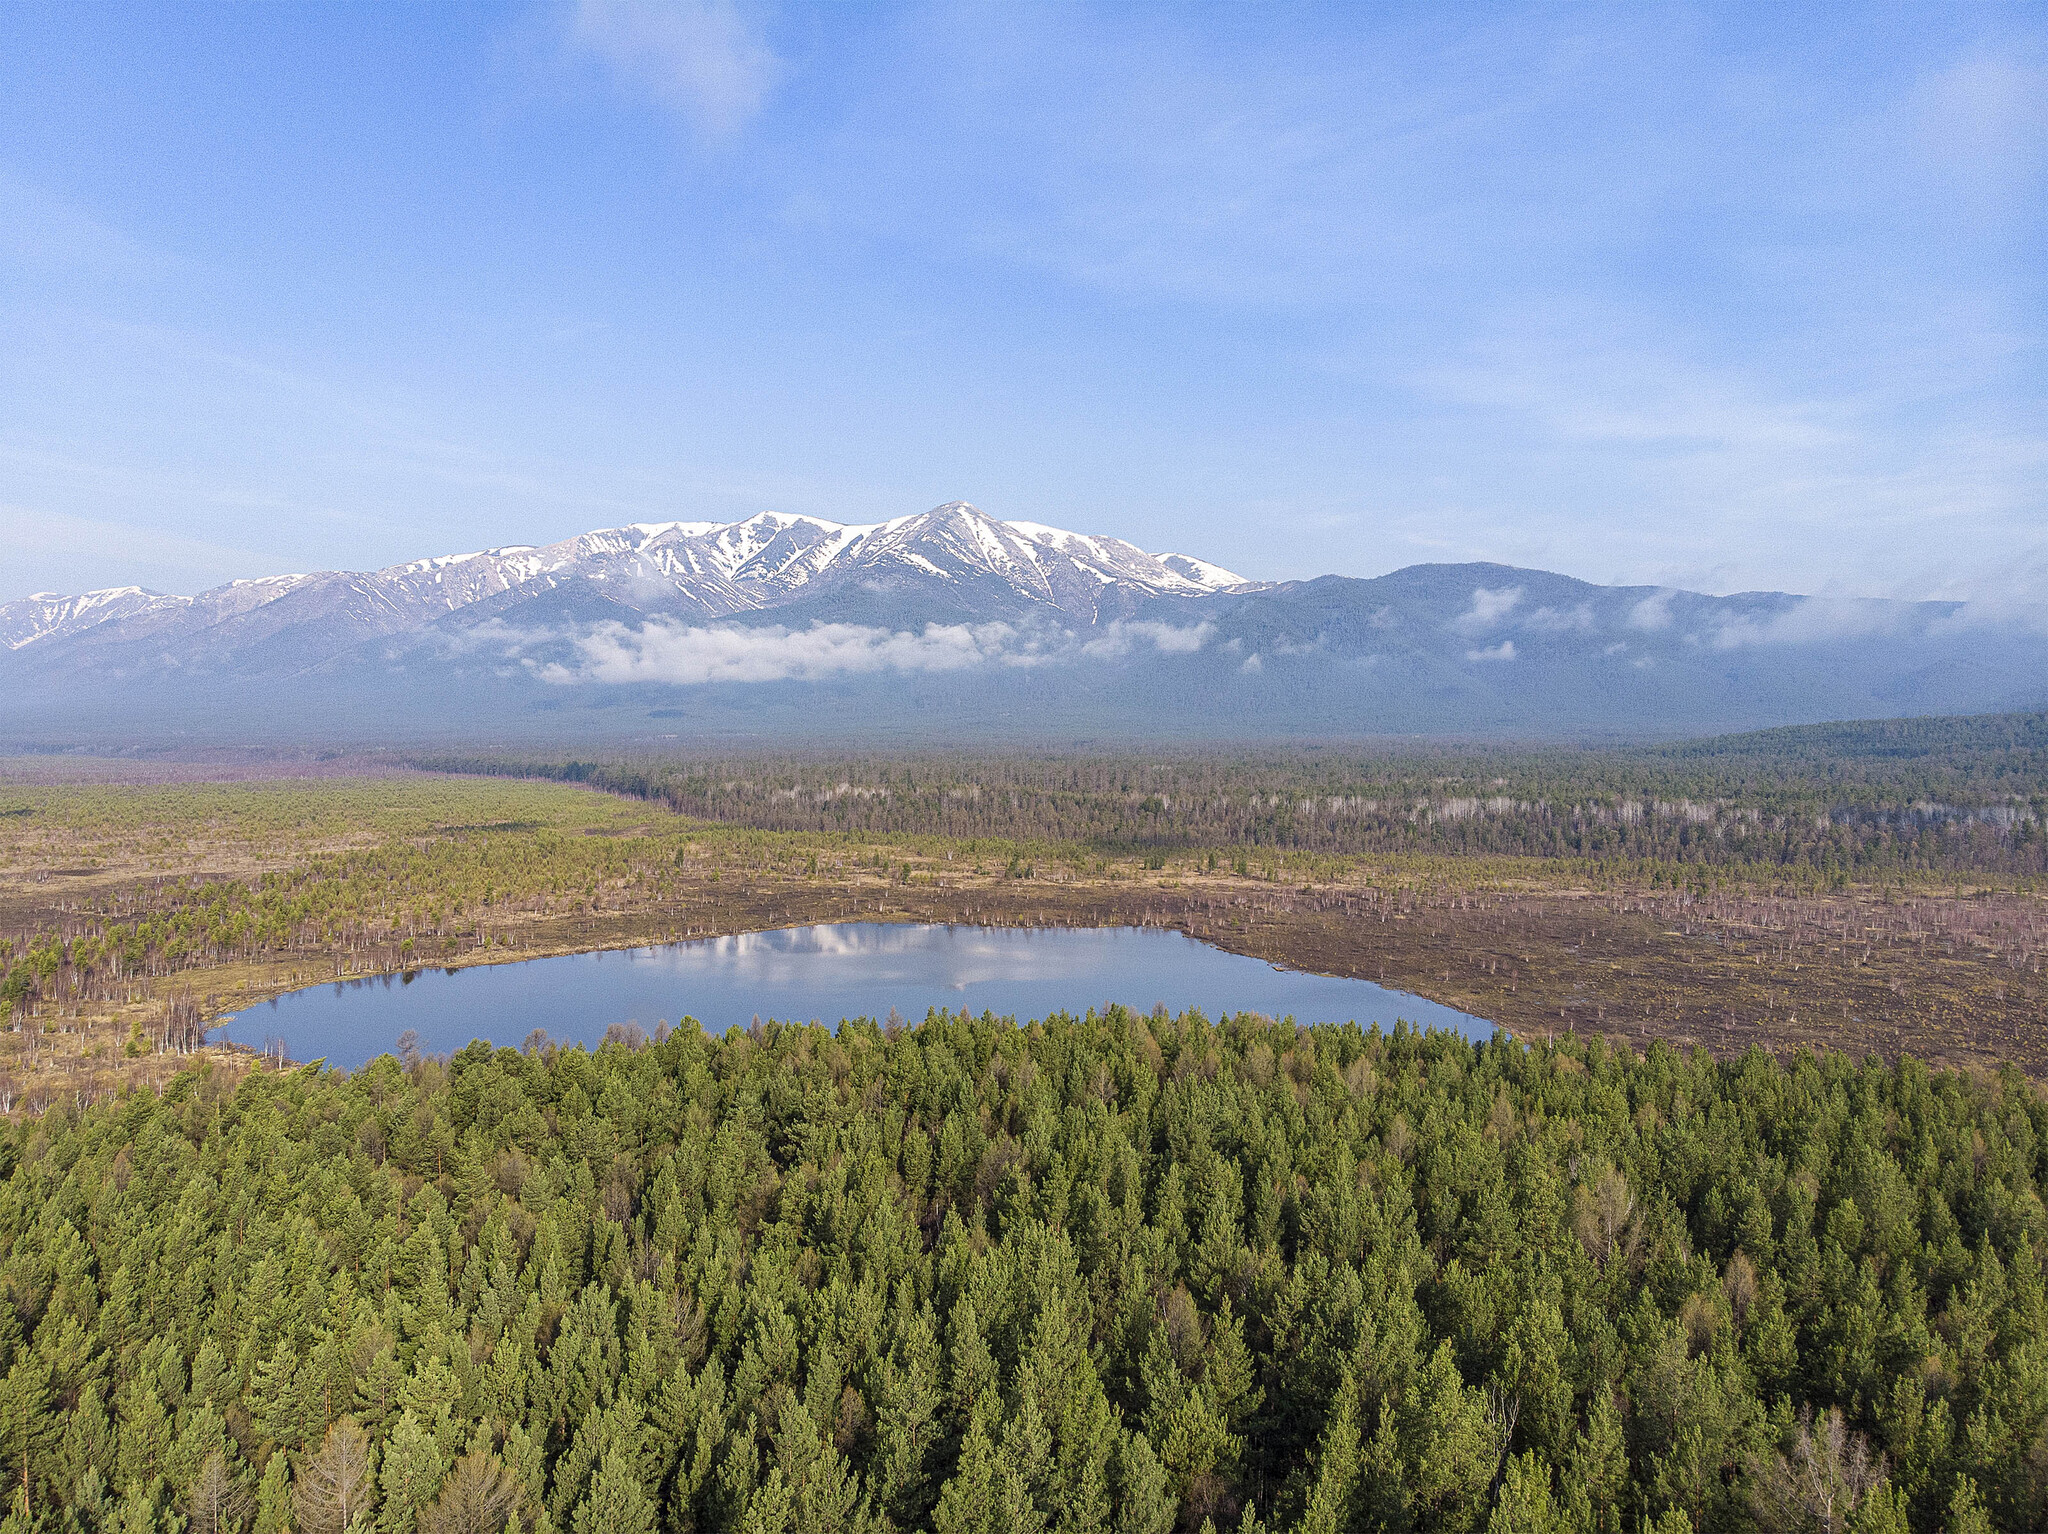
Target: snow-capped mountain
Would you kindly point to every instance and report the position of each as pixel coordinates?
(47, 615)
(950, 562)
(951, 625)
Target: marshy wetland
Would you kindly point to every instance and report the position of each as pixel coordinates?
(142, 902)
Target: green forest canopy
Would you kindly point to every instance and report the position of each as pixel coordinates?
(1122, 1273)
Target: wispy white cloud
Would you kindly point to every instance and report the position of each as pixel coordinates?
(1555, 620)
(1616, 391)
(1816, 620)
(1119, 638)
(1878, 479)
(701, 58)
(1489, 607)
(1505, 650)
(2013, 592)
(1653, 613)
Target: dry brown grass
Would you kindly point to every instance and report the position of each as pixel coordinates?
(1953, 977)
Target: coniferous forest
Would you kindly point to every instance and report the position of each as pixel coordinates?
(1124, 1274)
(1870, 800)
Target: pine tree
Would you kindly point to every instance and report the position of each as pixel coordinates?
(204, 1434)
(1532, 1365)
(1336, 1467)
(90, 1499)
(969, 1501)
(971, 1371)
(28, 1430)
(1966, 1514)
(823, 1489)
(1883, 1512)
(617, 1503)
(211, 1380)
(1087, 1442)
(771, 1508)
(88, 1440)
(140, 1510)
(145, 1437)
(906, 1434)
(411, 1475)
(1524, 1505)
(1446, 1445)
(1597, 1478)
(274, 1499)
(1144, 1506)
(524, 1458)
(276, 1399)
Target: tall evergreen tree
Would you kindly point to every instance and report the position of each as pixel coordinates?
(617, 1503)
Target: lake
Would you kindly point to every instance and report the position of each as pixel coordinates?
(822, 973)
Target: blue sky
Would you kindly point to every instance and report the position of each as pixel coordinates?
(1728, 297)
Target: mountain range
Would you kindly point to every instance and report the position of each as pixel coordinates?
(956, 624)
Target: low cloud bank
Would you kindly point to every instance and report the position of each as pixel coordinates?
(1819, 620)
(692, 655)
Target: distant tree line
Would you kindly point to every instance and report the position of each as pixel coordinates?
(1837, 802)
(1116, 1275)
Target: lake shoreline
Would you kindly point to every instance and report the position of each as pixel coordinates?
(822, 973)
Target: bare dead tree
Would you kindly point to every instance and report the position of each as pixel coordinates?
(479, 1497)
(1600, 1213)
(184, 1026)
(218, 1503)
(333, 1484)
(1824, 1480)
(1739, 1283)
(1503, 1410)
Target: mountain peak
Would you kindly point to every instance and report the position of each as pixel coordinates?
(952, 561)
(951, 616)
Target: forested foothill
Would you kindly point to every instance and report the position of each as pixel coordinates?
(1123, 1273)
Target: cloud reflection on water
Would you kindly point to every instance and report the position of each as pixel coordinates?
(831, 972)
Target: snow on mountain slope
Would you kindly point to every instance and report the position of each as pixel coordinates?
(952, 559)
(47, 615)
(951, 622)
(1113, 559)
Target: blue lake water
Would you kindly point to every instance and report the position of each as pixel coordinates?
(823, 973)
